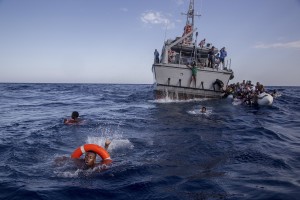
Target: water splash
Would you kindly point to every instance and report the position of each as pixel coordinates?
(170, 100)
(198, 111)
(116, 143)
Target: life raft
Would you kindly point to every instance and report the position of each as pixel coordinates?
(264, 99)
(91, 147)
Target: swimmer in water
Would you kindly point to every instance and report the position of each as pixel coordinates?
(89, 161)
(203, 109)
(90, 158)
(74, 118)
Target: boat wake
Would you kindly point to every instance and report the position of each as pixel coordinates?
(170, 100)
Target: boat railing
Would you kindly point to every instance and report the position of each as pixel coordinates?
(228, 64)
(187, 57)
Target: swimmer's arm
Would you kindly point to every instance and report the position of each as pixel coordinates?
(59, 161)
(107, 143)
(106, 162)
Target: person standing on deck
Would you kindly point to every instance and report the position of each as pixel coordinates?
(156, 56)
(223, 54)
(211, 57)
(202, 43)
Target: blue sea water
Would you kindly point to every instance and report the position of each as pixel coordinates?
(160, 149)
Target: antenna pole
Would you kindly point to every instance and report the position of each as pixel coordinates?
(190, 19)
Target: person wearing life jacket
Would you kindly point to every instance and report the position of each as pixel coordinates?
(74, 118)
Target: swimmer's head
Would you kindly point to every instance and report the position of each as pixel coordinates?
(203, 109)
(90, 159)
(75, 115)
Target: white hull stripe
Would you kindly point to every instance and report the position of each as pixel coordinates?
(82, 149)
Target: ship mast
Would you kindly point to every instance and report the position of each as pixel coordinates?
(189, 25)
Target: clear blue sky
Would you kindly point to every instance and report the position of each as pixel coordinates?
(97, 41)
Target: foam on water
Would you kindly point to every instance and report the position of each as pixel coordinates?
(169, 100)
(237, 102)
(65, 172)
(198, 112)
(68, 174)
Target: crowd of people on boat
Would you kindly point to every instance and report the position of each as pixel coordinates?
(247, 92)
(214, 60)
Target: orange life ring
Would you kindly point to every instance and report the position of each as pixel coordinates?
(170, 55)
(91, 147)
(188, 28)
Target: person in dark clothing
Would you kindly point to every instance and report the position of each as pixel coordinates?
(211, 57)
(156, 56)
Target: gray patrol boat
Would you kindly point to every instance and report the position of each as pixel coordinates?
(172, 75)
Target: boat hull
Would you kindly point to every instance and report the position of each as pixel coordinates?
(173, 81)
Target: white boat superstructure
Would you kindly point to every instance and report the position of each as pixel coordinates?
(173, 76)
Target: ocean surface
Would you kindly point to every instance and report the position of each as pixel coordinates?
(161, 149)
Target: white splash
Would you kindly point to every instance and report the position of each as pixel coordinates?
(68, 174)
(198, 111)
(169, 100)
(116, 143)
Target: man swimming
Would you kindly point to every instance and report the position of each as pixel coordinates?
(89, 161)
(90, 158)
(74, 118)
